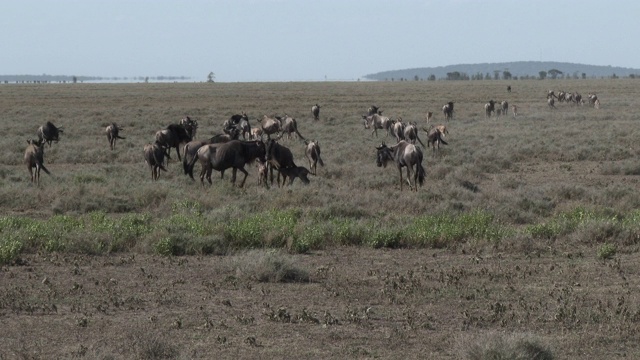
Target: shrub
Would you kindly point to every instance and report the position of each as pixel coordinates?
(268, 266)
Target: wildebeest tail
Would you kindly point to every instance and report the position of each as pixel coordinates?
(421, 173)
(189, 167)
(440, 138)
(295, 127)
(44, 169)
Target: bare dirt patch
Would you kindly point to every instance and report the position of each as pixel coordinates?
(359, 303)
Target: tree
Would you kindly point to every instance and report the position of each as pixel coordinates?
(496, 74)
(75, 79)
(431, 77)
(554, 73)
(211, 77)
(543, 75)
(506, 75)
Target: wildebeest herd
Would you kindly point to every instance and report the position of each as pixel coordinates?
(262, 144)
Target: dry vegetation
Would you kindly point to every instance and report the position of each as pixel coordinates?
(523, 243)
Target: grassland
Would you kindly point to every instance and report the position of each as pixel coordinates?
(528, 226)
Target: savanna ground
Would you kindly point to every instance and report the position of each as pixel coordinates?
(523, 239)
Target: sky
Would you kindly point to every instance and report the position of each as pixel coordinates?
(306, 40)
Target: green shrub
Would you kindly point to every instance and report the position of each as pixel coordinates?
(607, 251)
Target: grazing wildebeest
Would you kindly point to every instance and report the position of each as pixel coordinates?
(34, 158)
(49, 132)
(154, 157)
(315, 111)
(447, 110)
(508, 88)
(411, 133)
(551, 103)
(278, 156)
(312, 152)
(435, 137)
(190, 125)
(514, 108)
(294, 172)
(489, 108)
(505, 107)
(289, 125)
(113, 133)
(190, 149)
(234, 154)
(377, 121)
(233, 121)
(429, 116)
(172, 137)
(406, 155)
(269, 125)
(397, 129)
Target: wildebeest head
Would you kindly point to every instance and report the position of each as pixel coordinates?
(383, 155)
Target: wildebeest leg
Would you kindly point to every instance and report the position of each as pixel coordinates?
(400, 173)
(245, 175)
(409, 173)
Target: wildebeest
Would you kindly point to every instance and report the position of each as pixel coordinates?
(312, 152)
(377, 121)
(190, 125)
(374, 110)
(508, 88)
(551, 94)
(269, 126)
(505, 107)
(596, 104)
(172, 137)
(34, 158)
(263, 170)
(435, 137)
(289, 126)
(154, 155)
(256, 133)
(514, 108)
(315, 111)
(411, 133)
(234, 120)
(447, 110)
(113, 133)
(190, 149)
(234, 154)
(592, 97)
(397, 129)
(278, 156)
(294, 172)
(49, 132)
(489, 108)
(551, 103)
(429, 115)
(406, 155)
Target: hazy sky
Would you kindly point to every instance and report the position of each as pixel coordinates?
(292, 40)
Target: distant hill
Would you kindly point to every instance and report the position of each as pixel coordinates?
(519, 69)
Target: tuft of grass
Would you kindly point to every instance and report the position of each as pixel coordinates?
(268, 266)
(494, 346)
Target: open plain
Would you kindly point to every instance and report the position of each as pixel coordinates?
(524, 237)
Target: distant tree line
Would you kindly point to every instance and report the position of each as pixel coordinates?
(553, 74)
(44, 78)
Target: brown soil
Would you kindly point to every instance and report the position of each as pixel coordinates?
(360, 303)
